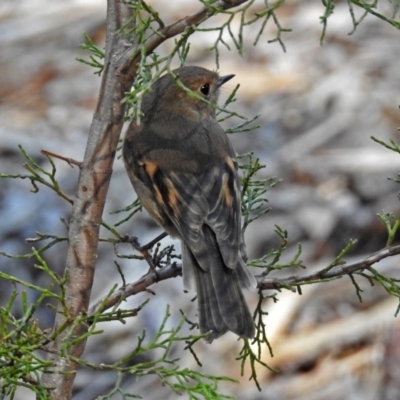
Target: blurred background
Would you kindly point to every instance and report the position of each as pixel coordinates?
(318, 107)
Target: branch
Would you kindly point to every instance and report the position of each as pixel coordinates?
(88, 205)
(191, 20)
(173, 270)
(335, 272)
(70, 161)
(170, 271)
(176, 28)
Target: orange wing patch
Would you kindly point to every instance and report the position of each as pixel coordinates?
(226, 194)
(162, 196)
(151, 168)
(173, 196)
(230, 164)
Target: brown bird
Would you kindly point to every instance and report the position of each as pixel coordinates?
(183, 168)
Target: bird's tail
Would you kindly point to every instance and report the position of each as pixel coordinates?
(221, 303)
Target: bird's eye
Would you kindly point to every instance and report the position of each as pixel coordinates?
(205, 89)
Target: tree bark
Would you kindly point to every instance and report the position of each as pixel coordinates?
(88, 207)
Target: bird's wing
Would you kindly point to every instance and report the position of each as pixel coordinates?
(224, 216)
(210, 198)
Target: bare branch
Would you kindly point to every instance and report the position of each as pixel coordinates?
(170, 271)
(70, 161)
(88, 207)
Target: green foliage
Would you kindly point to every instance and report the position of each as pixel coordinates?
(96, 55)
(131, 209)
(368, 7)
(38, 175)
(253, 190)
(271, 261)
(21, 338)
(392, 225)
(167, 369)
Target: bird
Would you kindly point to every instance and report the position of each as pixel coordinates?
(185, 173)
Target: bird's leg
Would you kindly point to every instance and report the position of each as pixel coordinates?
(144, 250)
(155, 241)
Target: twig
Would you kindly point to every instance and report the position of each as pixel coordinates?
(144, 250)
(335, 272)
(169, 31)
(170, 271)
(70, 161)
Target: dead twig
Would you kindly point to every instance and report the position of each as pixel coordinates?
(70, 161)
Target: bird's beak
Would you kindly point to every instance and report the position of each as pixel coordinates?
(224, 79)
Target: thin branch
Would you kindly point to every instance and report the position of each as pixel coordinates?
(174, 29)
(144, 250)
(332, 273)
(70, 161)
(173, 270)
(170, 271)
(369, 8)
